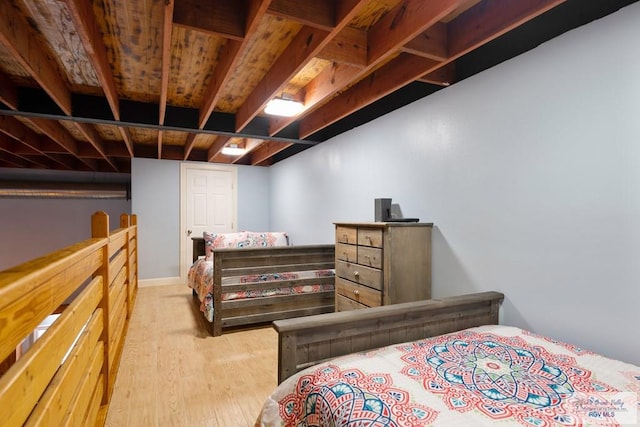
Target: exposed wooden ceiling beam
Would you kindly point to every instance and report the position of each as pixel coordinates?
(430, 44)
(475, 27)
(12, 127)
(305, 46)
(491, 19)
(319, 14)
(347, 47)
(392, 76)
(87, 28)
(401, 25)
(62, 137)
(18, 39)
(92, 136)
(443, 76)
(228, 59)
(225, 18)
(265, 151)
(328, 82)
(404, 23)
(16, 36)
(167, 27)
(216, 147)
(23, 154)
(8, 159)
(8, 92)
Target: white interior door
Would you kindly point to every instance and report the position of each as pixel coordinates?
(208, 201)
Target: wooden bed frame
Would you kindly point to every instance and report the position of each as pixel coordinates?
(236, 262)
(93, 285)
(307, 341)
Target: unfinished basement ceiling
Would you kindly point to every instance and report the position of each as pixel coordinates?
(88, 85)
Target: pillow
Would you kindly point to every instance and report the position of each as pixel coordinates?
(243, 239)
(267, 239)
(223, 240)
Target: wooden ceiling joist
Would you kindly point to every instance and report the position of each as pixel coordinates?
(475, 27)
(8, 92)
(304, 47)
(88, 85)
(18, 39)
(397, 73)
(16, 36)
(491, 19)
(13, 128)
(226, 19)
(227, 61)
(402, 24)
(22, 155)
(319, 14)
(85, 23)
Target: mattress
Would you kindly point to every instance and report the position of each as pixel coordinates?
(485, 376)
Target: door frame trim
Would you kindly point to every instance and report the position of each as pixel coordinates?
(184, 166)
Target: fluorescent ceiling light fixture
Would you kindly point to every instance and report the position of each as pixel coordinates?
(232, 150)
(284, 107)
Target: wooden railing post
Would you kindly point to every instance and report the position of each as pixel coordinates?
(134, 258)
(100, 229)
(124, 223)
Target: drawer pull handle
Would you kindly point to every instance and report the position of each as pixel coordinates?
(356, 274)
(356, 292)
(345, 237)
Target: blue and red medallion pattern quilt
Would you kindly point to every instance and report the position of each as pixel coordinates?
(486, 376)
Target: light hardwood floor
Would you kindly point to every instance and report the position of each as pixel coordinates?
(173, 373)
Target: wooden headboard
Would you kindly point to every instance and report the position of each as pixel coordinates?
(306, 341)
(198, 247)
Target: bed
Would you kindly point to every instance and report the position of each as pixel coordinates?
(249, 278)
(442, 363)
(67, 373)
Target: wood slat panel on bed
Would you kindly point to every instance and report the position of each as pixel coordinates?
(233, 262)
(67, 375)
(307, 341)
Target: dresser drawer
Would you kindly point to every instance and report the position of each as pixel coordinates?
(370, 237)
(346, 252)
(346, 304)
(371, 257)
(346, 235)
(362, 294)
(367, 276)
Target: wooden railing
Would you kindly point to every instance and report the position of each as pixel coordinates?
(67, 376)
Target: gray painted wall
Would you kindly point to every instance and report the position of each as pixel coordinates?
(155, 191)
(530, 172)
(30, 228)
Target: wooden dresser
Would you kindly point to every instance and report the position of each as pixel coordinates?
(381, 263)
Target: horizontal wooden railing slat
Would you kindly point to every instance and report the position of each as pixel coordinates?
(80, 402)
(92, 284)
(54, 403)
(42, 294)
(33, 372)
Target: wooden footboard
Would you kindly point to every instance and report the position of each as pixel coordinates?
(66, 377)
(258, 261)
(307, 341)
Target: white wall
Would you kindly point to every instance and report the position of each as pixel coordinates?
(30, 228)
(530, 172)
(155, 191)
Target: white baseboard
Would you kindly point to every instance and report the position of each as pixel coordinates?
(164, 281)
